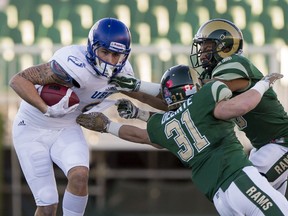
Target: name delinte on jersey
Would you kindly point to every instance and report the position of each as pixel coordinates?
(167, 116)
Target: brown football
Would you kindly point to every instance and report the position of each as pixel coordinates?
(53, 93)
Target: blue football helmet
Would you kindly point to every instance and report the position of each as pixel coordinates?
(114, 36)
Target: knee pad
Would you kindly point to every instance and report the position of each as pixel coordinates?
(47, 196)
(41, 162)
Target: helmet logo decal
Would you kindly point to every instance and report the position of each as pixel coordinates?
(189, 90)
(76, 61)
(167, 95)
(222, 36)
(169, 83)
(117, 46)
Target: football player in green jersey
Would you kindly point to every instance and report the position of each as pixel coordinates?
(216, 52)
(217, 49)
(198, 131)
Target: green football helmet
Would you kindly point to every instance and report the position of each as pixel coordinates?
(225, 39)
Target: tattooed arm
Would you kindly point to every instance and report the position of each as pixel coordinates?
(23, 84)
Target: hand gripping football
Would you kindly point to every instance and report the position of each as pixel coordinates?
(53, 93)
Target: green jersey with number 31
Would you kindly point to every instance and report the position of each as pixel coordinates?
(199, 140)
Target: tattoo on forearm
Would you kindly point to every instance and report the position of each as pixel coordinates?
(40, 74)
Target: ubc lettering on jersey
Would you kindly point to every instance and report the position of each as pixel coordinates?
(259, 197)
(101, 95)
(168, 115)
(104, 93)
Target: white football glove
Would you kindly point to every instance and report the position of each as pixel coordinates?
(61, 108)
(126, 83)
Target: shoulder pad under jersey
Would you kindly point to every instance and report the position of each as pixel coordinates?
(231, 68)
(72, 61)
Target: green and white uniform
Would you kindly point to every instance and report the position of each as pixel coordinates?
(208, 146)
(266, 124)
(257, 124)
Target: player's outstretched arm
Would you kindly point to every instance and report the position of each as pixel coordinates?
(129, 83)
(126, 109)
(245, 102)
(154, 101)
(145, 92)
(101, 123)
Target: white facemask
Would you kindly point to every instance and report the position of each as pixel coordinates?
(105, 69)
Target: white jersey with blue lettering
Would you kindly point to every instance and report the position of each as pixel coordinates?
(93, 88)
(42, 141)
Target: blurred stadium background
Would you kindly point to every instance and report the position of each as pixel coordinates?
(127, 179)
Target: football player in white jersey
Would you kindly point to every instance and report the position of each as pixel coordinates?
(43, 135)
